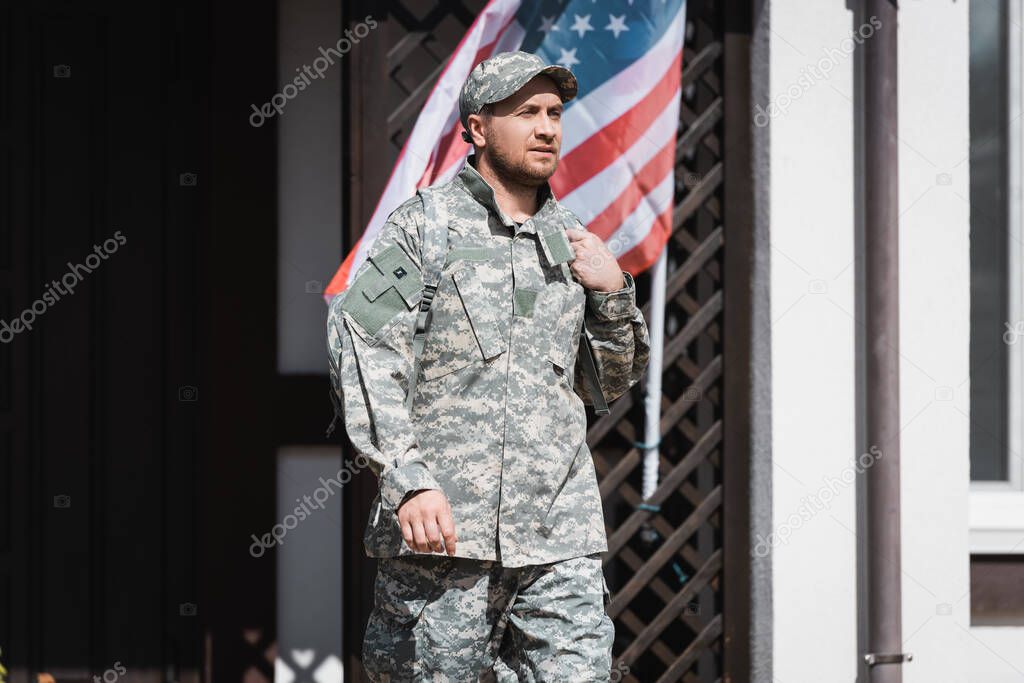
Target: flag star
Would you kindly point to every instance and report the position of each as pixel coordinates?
(568, 58)
(582, 24)
(616, 24)
(547, 24)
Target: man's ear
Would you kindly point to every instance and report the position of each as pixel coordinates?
(476, 130)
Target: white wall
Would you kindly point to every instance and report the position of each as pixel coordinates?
(813, 339)
(812, 302)
(934, 337)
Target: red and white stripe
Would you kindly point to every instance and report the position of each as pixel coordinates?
(618, 154)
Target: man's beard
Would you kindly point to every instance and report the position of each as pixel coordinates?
(517, 172)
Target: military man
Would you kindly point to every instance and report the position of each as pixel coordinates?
(488, 523)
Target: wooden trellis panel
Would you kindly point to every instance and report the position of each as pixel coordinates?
(665, 559)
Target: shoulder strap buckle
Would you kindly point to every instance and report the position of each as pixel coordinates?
(433, 251)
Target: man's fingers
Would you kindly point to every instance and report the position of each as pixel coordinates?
(407, 534)
(585, 259)
(421, 538)
(575, 235)
(433, 537)
(426, 522)
(448, 531)
(580, 244)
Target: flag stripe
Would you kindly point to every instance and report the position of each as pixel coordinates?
(623, 92)
(637, 224)
(602, 148)
(597, 56)
(594, 196)
(642, 256)
(650, 176)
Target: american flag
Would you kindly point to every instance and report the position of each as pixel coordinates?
(618, 135)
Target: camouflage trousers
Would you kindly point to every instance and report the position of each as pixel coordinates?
(461, 620)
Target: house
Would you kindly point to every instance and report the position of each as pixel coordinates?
(162, 403)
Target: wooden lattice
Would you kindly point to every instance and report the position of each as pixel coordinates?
(664, 567)
(665, 557)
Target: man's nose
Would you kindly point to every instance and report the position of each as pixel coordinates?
(546, 126)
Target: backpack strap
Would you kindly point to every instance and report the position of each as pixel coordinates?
(589, 368)
(338, 411)
(585, 353)
(334, 373)
(433, 250)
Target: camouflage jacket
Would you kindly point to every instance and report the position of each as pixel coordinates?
(498, 421)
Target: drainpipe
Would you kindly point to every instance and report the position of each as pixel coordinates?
(885, 654)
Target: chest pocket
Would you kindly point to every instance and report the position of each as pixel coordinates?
(463, 328)
(564, 328)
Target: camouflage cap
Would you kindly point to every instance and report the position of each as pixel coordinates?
(501, 75)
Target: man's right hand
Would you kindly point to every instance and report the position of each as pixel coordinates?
(426, 516)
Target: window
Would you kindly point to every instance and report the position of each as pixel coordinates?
(997, 285)
(997, 590)
(990, 170)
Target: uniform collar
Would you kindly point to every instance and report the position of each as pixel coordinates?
(483, 193)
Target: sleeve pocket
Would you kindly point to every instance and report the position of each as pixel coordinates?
(398, 271)
(387, 285)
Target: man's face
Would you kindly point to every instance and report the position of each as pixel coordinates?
(523, 132)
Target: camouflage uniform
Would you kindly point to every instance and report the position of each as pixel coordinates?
(453, 619)
(497, 422)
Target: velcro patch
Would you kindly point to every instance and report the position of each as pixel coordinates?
(556, 246)
(523, 300)
(389, 283)
(397, 267)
